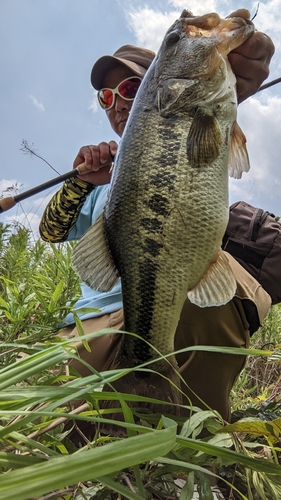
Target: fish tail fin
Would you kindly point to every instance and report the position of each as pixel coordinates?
(218, 285)
(238, 155)
(92, 260)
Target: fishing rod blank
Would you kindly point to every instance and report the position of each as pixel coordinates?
(269, 84)
(10, 201)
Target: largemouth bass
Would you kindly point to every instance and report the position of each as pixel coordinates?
(167, 210)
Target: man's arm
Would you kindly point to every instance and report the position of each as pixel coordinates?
(63, 210)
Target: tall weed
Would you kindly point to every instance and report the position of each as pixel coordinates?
(37, 288)
(154, 460)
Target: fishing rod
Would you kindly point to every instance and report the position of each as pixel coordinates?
(11, 201)
(269, 84)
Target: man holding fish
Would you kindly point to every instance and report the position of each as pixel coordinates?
(222, 305)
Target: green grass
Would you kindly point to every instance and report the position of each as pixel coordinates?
(39, 459)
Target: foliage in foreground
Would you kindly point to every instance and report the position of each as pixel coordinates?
(154, 459)
(151, 458)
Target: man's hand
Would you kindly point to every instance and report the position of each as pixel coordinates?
(250, 61)
(97, 161)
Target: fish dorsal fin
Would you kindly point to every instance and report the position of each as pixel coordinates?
(204, 139)
(92, 260)
(238, 154)
(218, 285)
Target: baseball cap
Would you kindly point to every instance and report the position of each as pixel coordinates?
(135, 58)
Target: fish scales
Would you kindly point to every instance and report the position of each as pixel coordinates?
(167, 209)
(162, 261)
(165, 261)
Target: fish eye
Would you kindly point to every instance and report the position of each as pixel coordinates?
(173, 37)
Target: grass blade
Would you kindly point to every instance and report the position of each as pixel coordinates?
(64, 471)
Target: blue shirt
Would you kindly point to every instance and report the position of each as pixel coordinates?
(106, 302)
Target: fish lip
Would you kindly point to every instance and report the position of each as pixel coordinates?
(241, 22)
(249, 22)
(201, 22)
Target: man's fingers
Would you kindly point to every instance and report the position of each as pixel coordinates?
(113, 146)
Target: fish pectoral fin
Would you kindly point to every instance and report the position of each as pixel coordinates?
(238, 154)
(204, 139)
(218, 285)
(92, 259)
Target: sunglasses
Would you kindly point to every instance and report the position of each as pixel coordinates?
(127, 89)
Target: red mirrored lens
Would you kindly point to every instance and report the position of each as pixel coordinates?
(126, 89)
(129, 88)
(106, 97)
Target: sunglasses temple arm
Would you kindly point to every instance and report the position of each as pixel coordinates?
(10, 201)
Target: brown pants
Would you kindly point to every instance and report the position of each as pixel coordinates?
(207, 374)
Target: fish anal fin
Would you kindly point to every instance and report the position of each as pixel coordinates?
(204, 139)
(218, 285)
(238, 154)
(92, 259)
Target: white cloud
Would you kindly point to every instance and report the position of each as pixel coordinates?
(267, 16)
(29, 221)
(38, 105)
(260, 120)
(150, 26)
(9, 185)
(93, 105)
(197, 8)
(28, 212)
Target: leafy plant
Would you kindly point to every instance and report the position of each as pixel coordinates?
(36, 281)
(50, 439)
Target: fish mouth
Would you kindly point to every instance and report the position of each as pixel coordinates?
(237, 23)
(229, 33)
(211, 21)
(211, 24)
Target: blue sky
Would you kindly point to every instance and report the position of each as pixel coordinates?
(48, 48)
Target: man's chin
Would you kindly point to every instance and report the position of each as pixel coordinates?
(121, 127)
